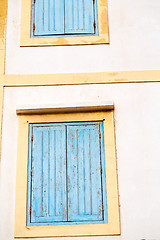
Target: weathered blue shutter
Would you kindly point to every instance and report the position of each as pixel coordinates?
(48, 174)
(79, 16)
(85, 197)
(48, 17)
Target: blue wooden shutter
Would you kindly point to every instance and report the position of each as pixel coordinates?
(48, 174)
(84, 172)
(48, 17)
(79, 16)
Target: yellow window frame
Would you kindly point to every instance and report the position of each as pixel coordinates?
(26, 39)
(113, 225)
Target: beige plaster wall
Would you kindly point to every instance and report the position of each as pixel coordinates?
(134, 43)
(137, 123)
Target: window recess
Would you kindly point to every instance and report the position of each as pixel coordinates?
(64, 18)
(66, 180)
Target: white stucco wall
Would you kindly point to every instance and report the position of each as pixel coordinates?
(134, 43)
(137, 122)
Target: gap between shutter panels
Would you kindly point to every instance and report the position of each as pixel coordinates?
(70, 22)
(66, 163)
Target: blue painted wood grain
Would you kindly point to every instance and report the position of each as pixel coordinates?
(66, 174)
(84, 173)
(79, 16)
(49, 17)
(48, 184)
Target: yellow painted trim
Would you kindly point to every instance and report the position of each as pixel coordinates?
(26, 40)
(3, 16)
(108, 105)
(81, 78)
(66, 78)
(113, 226)
(1, 115)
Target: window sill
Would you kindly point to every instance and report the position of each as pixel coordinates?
(76, 107)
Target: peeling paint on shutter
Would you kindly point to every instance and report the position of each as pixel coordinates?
(84, 173)
(48, 185)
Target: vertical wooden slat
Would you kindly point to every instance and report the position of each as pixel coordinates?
(72, 172)
(37, 174)
(51, 15)
(45, 161)
(81, 171)
(46, 15)
(96, 173)
(60, 171)
(52, 203)
(87, 172)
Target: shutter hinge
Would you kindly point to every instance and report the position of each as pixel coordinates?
(101, 170)
(31, 173)
(102, 207)
(34, 1)
(32, 138)
(94, 25)
(34, 27)
(30, 210)
(100, 135)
